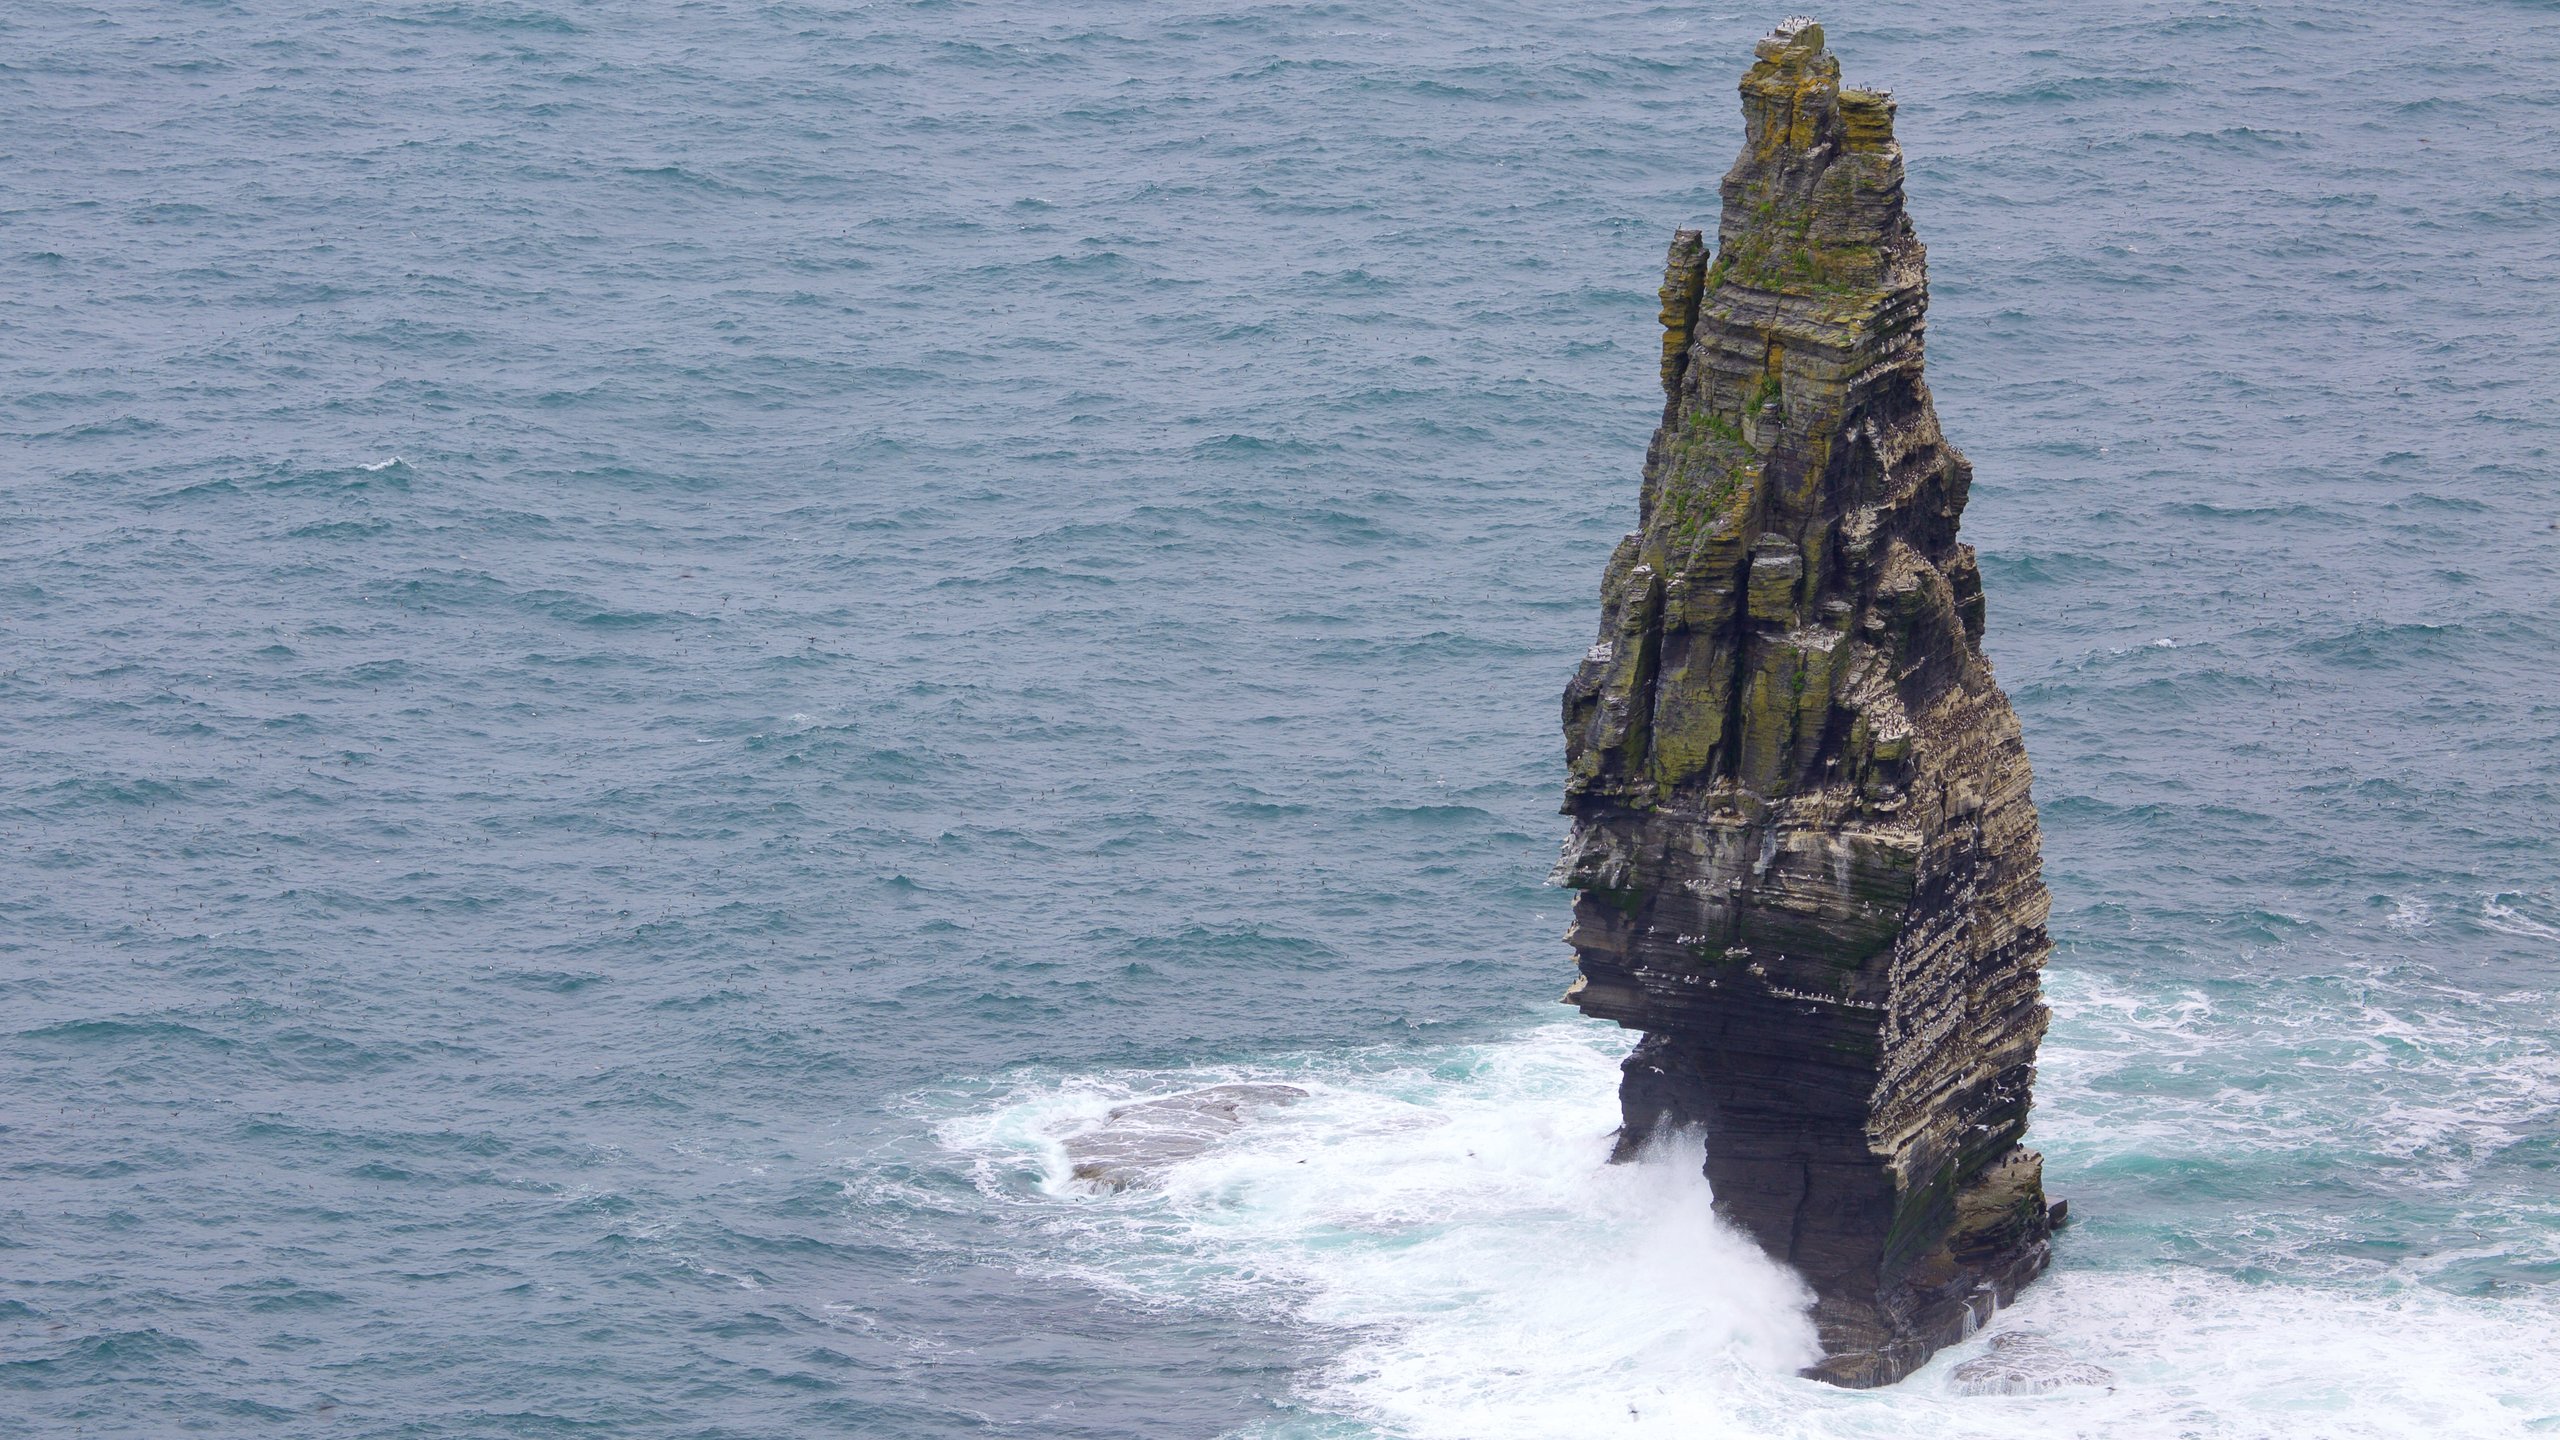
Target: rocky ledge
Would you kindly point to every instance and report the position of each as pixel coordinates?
(1803, 841)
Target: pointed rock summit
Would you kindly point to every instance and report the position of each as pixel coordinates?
(1803, 841)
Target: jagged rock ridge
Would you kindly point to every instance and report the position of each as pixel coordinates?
(1803, 841)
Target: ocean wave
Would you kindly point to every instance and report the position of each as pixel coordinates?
(1443, 1224)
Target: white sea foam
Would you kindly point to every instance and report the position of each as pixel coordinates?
(2506, 919)
(383, 464)
(1449, 1224)
(2431, 1077)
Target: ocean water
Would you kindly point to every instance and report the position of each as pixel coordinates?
(647, 648)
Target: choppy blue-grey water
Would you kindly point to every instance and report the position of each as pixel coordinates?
(646, 647)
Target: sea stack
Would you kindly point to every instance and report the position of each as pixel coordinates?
(1802, 834)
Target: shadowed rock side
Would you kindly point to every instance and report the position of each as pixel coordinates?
(1803, 842)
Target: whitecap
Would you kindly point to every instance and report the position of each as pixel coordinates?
(2496, 914)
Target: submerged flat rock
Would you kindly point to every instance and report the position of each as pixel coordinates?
(1136, 1143)
(2025, 1363)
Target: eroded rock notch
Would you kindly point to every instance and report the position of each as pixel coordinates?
(1803, 841)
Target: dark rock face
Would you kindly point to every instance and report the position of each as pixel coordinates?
(1805, 850)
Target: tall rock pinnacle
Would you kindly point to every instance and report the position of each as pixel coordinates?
(1805, 851)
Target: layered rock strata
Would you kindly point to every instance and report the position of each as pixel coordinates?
(1803, 841)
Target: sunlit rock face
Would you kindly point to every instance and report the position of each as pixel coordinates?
(1803, 840)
